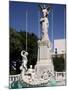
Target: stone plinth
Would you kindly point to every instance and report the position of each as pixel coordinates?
(44, 67)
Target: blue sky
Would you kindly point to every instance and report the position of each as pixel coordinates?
(17, 18)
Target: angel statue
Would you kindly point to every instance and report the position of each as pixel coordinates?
(45, 23)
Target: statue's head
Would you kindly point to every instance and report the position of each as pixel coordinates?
(45, 9)
(31, 66)
(45, 12)
(26, 53)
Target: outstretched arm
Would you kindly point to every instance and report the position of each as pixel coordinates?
(22, 54)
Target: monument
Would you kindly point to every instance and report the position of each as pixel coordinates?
(44, 69)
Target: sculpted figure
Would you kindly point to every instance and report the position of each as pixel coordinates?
(45, 24)
(24, 55)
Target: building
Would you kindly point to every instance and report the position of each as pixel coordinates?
(60, 46)
(59, 54)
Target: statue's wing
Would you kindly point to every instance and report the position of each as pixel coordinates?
(48, 8)
(40, 7)
(44, 6)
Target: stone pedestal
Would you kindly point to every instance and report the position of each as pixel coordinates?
(44, 67)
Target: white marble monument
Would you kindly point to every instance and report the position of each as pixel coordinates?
(44, 67)
(44, 70)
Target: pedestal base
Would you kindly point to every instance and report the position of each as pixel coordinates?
(44, 68)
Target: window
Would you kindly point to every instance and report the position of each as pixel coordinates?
(55, 50)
